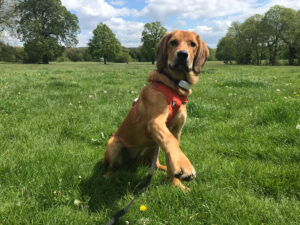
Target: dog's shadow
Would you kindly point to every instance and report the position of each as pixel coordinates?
(101, 193)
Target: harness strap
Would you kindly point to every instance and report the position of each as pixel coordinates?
(174, 102)
(173, 98)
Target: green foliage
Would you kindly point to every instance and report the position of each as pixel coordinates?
(275, 25)
(104, 43)
(270, 36)
(123, 56)
(42, 50)
(225, 50)
(138, 54)
(212, 54)
(240, 134)
(151, 36)
(78, 54)
(253, 36)
(44, 26)
(11, 54)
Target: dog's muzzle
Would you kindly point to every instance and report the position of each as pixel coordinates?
(181, 61)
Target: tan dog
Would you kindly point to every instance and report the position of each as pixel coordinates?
(180, 57)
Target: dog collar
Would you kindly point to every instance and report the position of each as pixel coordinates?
(183, 84)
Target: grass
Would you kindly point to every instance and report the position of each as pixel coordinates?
(240, 135)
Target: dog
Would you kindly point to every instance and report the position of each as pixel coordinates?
(149, 123)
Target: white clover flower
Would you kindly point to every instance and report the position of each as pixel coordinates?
(76, 202)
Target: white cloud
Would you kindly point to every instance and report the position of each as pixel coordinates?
(209, 18)
(194, 9)
(9, 38)
(117, 2)
(99, 8)
(203, 29)
(128, 32)
(92, 13)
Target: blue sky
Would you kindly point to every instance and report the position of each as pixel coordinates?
(126, 18)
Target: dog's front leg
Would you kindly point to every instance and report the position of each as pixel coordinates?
(178, 165)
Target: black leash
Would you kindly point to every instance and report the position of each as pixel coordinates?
(148, 180)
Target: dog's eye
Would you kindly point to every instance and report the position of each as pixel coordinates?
(174, 43)
(193, 44)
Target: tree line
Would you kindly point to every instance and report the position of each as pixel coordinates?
(49, 32)
(269, 37)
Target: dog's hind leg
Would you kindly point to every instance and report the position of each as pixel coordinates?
(113, 157)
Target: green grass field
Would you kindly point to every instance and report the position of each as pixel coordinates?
(240, 135)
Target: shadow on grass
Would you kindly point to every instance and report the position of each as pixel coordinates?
(103, 193)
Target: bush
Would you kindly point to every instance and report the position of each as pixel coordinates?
(11, 54)
(122, 57)
(77, 54)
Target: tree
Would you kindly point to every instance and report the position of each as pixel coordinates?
(226, 50)
(45, 26)
(274, 35)
(274, 26)
(242, 50)
(290, 34)
(297, 41)
(253, 34)
(151, 35)
(104, 43)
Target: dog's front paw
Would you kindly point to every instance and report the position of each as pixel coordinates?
(181, 167)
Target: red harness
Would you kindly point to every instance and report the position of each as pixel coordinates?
(173, 98)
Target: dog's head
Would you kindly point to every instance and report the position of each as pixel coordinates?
(182, 54)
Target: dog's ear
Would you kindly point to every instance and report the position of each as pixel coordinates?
(162, 52)
(201, 56)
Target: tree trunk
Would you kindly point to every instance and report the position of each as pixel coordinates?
(257, 55)
(270, 53)
(274, 54)
(261, 55)
(292, 55)
(45, 59)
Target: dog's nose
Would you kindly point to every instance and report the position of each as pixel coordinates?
(182, 55)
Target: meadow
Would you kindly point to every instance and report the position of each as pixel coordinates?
(241, 136)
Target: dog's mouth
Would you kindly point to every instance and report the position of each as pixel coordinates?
(180, 66)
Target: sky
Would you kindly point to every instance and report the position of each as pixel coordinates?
(126, 18)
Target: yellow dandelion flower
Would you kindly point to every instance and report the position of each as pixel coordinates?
(143, 208)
